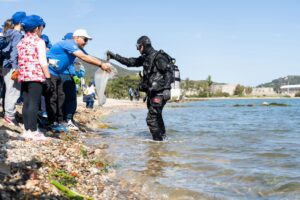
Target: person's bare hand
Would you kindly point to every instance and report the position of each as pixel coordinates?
(106, 67)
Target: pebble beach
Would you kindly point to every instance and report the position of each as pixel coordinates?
(63, 167)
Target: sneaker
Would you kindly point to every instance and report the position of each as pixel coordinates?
(11, 122)
(27, 134)
(56, 127)
(36, 135)
(44, 114)
(71, 126)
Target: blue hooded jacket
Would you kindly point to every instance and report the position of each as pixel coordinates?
(11, 51)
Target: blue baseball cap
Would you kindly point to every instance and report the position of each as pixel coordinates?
(47, 40)
(18, 17)
(31, 22)
(68, 36)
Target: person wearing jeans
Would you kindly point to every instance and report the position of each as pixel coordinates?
(10, 66)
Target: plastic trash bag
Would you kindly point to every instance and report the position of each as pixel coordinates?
(101, 77)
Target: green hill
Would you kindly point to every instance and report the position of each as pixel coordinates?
(277, 83)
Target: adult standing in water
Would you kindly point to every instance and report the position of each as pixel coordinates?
(156, 82)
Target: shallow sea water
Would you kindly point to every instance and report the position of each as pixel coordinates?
(214, 150)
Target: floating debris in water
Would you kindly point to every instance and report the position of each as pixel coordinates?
(275, 104)
(262, 104)
(244, 105)
(176, 106)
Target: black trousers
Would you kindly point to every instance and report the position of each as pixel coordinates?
(32, 92)
(55, 101)
(70, 102)
(155, 122)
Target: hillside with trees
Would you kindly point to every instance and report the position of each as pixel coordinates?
(277, 83)
(119, 85)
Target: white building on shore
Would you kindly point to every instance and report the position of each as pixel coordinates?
(290, 89)
(263, 91)
(225, 88)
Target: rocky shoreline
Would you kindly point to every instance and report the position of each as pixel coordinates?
(63, 167)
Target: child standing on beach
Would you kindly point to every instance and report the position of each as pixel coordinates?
(33, 71)
(10, 66)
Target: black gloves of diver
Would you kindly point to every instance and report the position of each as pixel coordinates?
(48, 86)
(110, 55)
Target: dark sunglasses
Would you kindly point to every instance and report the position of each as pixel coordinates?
(85, 39)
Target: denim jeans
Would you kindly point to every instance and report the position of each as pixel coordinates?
(90, 104)
(12, 93)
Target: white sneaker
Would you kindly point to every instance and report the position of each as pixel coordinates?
(36, 135)
(72, 126)
(27, 134)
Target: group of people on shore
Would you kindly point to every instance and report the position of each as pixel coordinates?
(39, 70)
(134, 93)
(42, 72)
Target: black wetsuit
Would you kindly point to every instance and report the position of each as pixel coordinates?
(156, 79)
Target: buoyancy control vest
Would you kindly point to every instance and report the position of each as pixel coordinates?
(158, 80)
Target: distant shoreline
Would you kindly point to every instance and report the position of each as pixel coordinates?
(189, 99)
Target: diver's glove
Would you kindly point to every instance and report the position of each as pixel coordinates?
(110, 55)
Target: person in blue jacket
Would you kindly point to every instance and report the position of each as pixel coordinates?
(69, 87)
(10, 67)
(61, 56)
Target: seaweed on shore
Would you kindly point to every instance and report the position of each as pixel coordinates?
(64, 178)
(69, 193)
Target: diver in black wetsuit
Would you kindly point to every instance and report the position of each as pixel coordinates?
(156, 82)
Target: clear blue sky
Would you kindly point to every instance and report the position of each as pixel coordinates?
(235, 41)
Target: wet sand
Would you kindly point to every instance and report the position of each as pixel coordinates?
(27, 168)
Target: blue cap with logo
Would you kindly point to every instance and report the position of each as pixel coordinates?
(31, 22)
(18, 17)
(68, 36)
